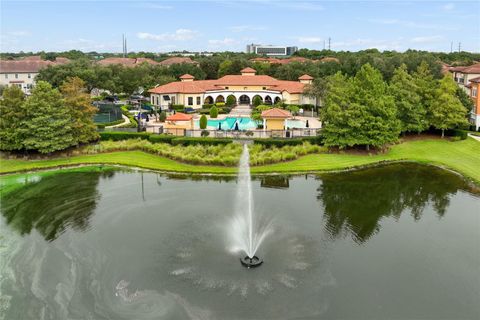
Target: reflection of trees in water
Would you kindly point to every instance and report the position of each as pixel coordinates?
(54, 203)
(355, 202)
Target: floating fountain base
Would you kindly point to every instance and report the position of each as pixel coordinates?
(252, 262)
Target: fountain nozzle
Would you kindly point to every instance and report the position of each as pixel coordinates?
(251, 262)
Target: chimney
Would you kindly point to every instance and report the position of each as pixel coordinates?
(306, 79)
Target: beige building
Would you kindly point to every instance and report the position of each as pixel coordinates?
(463, 75)
(22, 72)
(243, 88)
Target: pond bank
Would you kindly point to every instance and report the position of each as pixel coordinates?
(460, 156)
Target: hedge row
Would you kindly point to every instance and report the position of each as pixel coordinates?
(161, 138)
(289, 142)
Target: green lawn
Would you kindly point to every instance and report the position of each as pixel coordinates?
(461, 156)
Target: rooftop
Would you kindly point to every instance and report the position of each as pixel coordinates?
(474, 68)
(31, 64)
(276, 113)
(179, 117)
(128, 62)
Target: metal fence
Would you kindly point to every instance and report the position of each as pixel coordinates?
(239, 134)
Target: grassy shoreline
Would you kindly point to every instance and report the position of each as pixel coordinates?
(460, 156)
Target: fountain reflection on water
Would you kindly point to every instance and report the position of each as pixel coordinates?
(247, 231)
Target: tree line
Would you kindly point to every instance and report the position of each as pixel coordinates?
(365, 110)
(50, 119)
(120, 79)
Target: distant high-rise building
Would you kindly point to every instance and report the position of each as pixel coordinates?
(270, 50)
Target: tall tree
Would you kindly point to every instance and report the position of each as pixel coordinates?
(425, 85)
(81, 110)
(11, 113)
(47, 124)
(410, 111)
(447, 111)
(359, 111)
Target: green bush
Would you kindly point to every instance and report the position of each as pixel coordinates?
(314, 140)
(257, 101)
(178, 107)
(230, 101)
(161, 138)
(220, 104)
(462, 134)
(112, 123)
(163, 116)
(213, 112)
(203, 122)
(202, 141)
(117, 135)
(207, 105)
(205, 133)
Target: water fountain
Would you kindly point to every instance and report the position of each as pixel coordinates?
(248, 232)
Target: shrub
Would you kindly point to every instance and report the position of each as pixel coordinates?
(220, 104)
(178, 107)
(163, 116)
(203, 122)
(205, 133)
(278, 142)
(111, 123)
(207, 106)
(257, 101)
(202, 141)
(116, 135)
(461, 134)
(161, 138)
(213, 112)
(230, 101)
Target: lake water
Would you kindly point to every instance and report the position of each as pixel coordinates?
(397, 242)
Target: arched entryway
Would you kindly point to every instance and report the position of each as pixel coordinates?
(220, 98)
(244, 99)
(257, 100)
(278, 100)
(231, 100)
(208, 100)
(268, 100)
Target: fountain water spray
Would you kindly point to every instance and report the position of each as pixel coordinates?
(247, 233)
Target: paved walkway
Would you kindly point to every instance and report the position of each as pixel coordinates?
(127, 121)
(474, 137)
(241, 111)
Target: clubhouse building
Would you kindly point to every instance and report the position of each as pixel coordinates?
(244, 88)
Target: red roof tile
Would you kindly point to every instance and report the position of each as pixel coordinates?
(305, 77)
(29, 64)
(248, 70)
(474, 68)
(276, 113)
(128, 62)
(179, 117)
(187, 76)
(177, 60)
(475, 80)
(201, 86)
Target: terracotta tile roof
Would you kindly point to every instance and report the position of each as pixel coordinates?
(187, 76)
(201, 86)
(475, 80)
(474, 68)
(276, 113)
(248, 70)
(305, 77)
(128, 62)
(28, 65)
(177, 60)
(185, 87)
(238, 80)
(179, 117)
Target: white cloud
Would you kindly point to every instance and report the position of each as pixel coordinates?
(246, 28)
(310, 40)
(410, 24)
(448, 7)
(368, 43)
(224, 42)
(427, 39)
(178, 35)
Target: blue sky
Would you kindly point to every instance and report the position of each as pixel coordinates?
(162, 26)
